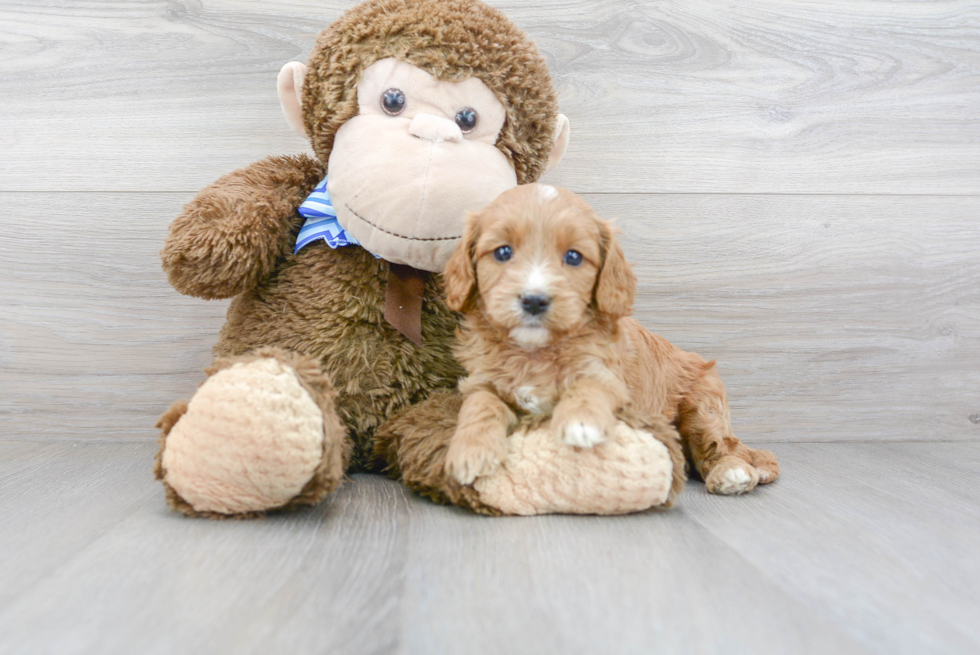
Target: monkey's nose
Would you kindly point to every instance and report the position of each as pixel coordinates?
(435, 128)
(535, 304)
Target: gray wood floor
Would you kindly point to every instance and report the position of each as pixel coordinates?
(860, 548)
(799, 184)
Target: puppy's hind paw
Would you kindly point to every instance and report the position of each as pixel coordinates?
(732, 477)
(582, 435)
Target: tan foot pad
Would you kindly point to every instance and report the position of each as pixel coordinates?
(251, 439)
(629, 473)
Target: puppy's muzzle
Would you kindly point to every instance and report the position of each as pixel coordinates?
(535, 304)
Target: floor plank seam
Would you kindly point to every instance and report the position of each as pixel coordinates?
(130, 513)
(806, 602)
(762, 444)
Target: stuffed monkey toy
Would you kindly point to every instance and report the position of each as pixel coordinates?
(336, 352)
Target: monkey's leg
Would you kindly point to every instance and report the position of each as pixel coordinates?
(726, 465)
(636, 469)
(261, 433)
(412, 447)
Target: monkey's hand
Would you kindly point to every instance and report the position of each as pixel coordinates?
(229, 238)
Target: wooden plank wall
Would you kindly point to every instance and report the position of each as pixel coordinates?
(799, 183)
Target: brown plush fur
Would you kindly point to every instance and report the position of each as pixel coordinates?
(580, 360)
(237, 230)
(451, 40)
(322, 303)
(236, 238)
(329, 305)
(412, 448)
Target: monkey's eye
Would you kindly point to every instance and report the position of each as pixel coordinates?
(466, 119)
(573, 258)
(393, 101)
(503, 253)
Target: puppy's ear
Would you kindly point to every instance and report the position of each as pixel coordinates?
(460, 273)
(616, 286)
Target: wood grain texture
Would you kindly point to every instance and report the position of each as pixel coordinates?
(58, 498)
(93, 340)
(315, 581)
(590, 585)
(874, 533)
(857, 548)
(806, 96)
(799, 184)
(832, 318)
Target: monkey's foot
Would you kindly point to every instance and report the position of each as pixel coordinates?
(635, 469)
(253, 438)
(631, 472)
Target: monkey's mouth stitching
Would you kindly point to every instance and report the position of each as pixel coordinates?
(400, 236)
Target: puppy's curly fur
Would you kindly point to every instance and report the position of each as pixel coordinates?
(546, 291)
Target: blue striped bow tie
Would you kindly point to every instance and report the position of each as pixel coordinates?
(321, 221)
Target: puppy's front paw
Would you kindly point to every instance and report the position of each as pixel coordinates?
(581, 434)
(582, 425)
(472, 455)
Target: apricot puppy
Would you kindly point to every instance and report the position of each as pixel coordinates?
(546, 292)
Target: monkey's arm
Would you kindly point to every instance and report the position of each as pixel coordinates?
(230, 236)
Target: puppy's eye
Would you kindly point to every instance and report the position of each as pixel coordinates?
(466, 119)
(503, 253)
(573, 258)
(393, 101)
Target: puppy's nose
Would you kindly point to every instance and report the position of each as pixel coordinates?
(535, 304)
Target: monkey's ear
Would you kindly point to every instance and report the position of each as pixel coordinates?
(616, 286)
(562, 134)
(460, 273)
(289, 84)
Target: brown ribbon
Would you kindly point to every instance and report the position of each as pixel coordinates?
(403, 300)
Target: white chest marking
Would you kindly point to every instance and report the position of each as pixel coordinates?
(530, 337)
